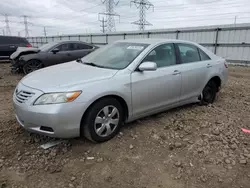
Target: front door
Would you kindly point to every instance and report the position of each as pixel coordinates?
(156, 90)
(64, 55)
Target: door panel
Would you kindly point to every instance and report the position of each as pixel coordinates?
(66, 56)
(62, 56)
(7, 49)
(53, 59)
(193, 77)
(156, 90)
(193, 71)
(79, 50)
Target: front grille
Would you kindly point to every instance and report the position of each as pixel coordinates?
(23, 96)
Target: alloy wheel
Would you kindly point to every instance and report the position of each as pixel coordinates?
(106, 121)
(32, 66)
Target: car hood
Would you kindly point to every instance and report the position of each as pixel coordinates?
(23, 49)
(62, 76)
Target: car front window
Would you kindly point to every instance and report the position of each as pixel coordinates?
(115, 56)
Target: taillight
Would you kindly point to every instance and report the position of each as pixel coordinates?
(28, 45)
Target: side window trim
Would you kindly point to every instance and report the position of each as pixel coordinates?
(176, 59)
(200, 50)
(57, 47)
(54, 47)
(177, 54)
(190, 45)
(199, 53)
(90, 47)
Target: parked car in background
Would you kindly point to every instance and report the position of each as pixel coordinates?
(28, 60)
(116, 84)
(9, 44)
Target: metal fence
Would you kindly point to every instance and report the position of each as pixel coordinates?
(229, 41)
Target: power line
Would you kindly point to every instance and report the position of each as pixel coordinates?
(142, 5)
(92, 7)
(110, 14)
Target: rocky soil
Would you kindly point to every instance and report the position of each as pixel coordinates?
(188, 147)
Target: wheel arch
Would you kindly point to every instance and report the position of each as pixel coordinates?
(217, 80)
(35, 59)
(120, 99)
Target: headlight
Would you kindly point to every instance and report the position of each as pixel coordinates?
(55, 98)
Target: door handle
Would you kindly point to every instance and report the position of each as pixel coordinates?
(176, 72)
(209, 65)
(69, 54)
(12, 46)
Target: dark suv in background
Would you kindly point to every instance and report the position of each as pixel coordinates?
(9, 44)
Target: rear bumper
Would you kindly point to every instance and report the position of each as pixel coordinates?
(224, 78)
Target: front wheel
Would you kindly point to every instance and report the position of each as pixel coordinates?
(209, 93)
(103, 120)
(31, 66)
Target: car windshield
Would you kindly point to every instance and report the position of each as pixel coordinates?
(47, 46)
(116, 56)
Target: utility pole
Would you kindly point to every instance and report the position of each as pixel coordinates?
(44, 31)
(143, 5)
(110, 14)
(103, 25)
(235, 20)
(7, 26)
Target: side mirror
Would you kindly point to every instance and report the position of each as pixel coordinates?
(55, 50)
(148, 66)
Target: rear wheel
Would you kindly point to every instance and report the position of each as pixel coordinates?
(31, 66)
(209, 93)
(103, 120)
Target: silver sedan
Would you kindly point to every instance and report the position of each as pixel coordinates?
(118, 83)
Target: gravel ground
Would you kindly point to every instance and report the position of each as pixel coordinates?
(188, 147)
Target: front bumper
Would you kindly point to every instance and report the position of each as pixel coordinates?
(15, 67)
(56, 120)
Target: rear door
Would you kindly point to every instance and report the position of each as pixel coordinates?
(9, 45)
(194, 70)
(79, 50)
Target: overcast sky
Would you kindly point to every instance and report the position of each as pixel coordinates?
(81, 16)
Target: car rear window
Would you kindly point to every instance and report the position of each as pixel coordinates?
(12, 40)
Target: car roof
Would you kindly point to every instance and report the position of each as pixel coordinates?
(7, 36)
(71, 41)
(155, 41)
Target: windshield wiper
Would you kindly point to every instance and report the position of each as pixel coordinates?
(93, 64)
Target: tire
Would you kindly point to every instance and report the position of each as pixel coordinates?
(99, 123)
(209, 93)
(31, 66)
